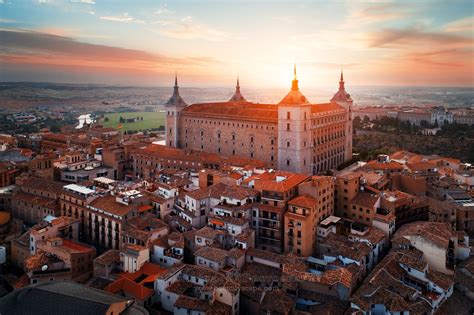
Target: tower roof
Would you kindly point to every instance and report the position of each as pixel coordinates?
(176, 99)
(341, 94)
(237, 97)
(294, 97)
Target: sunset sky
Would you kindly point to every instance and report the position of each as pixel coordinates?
(209, 43)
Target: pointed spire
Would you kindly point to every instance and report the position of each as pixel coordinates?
(294, 83)
(341, 94)
(341, 82)
(176, 98)
(237, 97)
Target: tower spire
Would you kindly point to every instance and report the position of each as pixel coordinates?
(176, 98)
(237, 97)
(341, 82)
(294, 83)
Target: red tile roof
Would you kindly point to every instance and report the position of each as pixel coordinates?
(243, 111)
(304, 201)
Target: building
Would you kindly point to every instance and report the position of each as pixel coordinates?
(60, 259)
(57, 297)
(276, 189)
(314, 203)
(36, 199)
(293, 135)
(442, 248)
(402, 283)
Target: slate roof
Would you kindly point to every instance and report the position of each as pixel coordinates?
(60, 297)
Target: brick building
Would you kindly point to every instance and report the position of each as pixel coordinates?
(293, 135)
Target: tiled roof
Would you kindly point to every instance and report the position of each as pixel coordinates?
(437, 232)
(263, 254)
(211, 253)
(277, 302)
(134, 283)
(110, 205)
(191, 303)
(268, 181)
(108, 257)
(208, 232)
(243, 111)
(326, 107)
(329, 277)
(304, 201)
(365, 199)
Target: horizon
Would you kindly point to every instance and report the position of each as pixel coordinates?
(185, 86)
(422, 44)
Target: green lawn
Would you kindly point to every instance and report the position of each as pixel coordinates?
(150, 120)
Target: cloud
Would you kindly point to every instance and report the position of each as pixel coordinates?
(462, 25)
(125, 18)
(83, 1)
(395, 38)
(187, 28)
(163, 10)
(7, 20)
(377, 12)
(29, 47)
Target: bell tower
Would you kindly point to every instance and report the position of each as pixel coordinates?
(173, 108)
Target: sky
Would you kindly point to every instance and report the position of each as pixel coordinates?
(210, 43)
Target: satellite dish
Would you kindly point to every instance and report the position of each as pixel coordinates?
(44, 268)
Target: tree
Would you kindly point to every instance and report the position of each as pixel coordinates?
(106, 119)
(366, 119)
(55, 128)
(121, 120)
(424, 124)
(357, 122)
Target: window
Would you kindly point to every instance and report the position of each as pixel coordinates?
(288, 115)
(288, 127)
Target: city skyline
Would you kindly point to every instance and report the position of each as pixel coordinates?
(144, 43)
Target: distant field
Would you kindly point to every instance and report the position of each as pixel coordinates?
(150, 120)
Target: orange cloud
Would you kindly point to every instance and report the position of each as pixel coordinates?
(29, 47)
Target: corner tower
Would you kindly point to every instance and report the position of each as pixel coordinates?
(173, 108)
(294, 131)
(237, 97)
(344, 99)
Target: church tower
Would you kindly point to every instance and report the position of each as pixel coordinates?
(344, 99)
(294, 131)
(173, 108)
